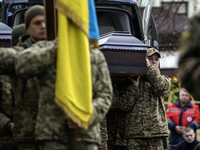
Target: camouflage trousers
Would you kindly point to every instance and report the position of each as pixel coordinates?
(145, 144)
(8, 148)
(28, 146)
(103, 145)
(116, 147)
(87, 146)
(53, 145)
(56, 145)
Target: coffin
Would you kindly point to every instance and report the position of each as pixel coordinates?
(5, 35)
(125, 55)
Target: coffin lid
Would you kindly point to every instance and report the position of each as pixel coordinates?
(5, 31)
(124, 53)
(121, 41)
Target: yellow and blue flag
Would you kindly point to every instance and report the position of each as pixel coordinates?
(73, 79)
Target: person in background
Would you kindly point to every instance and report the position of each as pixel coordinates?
(189, 57)
(182, 114)
(25, 91)
(7, 102)
(190, 142)
(17, 32)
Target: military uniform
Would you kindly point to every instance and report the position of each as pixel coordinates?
(104, 135)
(51, 123)
(145, 120)
(189, 57)
(26, 98)
(6, 114)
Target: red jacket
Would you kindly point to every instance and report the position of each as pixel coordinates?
(189, 115)
(190, 118)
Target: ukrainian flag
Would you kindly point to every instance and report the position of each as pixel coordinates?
(76, 23)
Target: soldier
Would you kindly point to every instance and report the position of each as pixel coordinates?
(143, 100)
(52, 128)
(7, 100)
(17, 32)
(189, 64)
(25, 91)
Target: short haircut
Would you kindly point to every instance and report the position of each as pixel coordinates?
(188, 129)
(183, 89)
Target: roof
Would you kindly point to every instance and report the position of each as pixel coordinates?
(5, 31)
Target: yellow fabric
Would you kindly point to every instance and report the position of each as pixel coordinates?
(77, 11)
(73, 79)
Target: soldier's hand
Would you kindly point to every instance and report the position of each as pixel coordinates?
(11, 126)
(134, 81)
(71, 124)
(147, 62)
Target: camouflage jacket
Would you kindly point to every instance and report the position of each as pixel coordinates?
(189, 57)
(25, 94)
(40, 61)
(6, 113)
(102, 94)
(25, 41)
(144, 105)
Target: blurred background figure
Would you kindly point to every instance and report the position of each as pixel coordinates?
(181, 114)
(190, 142)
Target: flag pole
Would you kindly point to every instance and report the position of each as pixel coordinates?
(50, 19)
(51, 35)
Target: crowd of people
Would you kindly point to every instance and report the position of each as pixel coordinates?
(127, 115)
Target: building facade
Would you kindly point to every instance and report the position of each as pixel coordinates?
(188, 7)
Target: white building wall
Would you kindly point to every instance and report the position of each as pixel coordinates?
(193, 5)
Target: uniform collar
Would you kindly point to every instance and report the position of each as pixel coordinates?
(177, 103)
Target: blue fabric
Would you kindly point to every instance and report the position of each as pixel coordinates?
(181, 114)
(175, 138)
(93, 24)
(171, 125)
(177, 103)
(193, 125)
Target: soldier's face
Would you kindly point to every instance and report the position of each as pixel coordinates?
(37, 28)
(154, 60)
(184, 97)
(189, 136)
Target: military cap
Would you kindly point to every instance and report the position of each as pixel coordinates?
(151, 51)
(32, 12)
(16, 33)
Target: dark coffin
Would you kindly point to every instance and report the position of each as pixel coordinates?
(5, 35)
(124, 54)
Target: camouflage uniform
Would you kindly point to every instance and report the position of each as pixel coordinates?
(145, 118)
(26, 98)
(6, 114)
(104, 135)
(116, 129)
(51, 123)
(189, 57)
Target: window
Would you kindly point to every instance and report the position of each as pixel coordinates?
(112, 20)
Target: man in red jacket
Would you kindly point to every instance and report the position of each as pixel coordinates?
(181, 114)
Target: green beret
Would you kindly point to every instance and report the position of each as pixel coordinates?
(32, 12)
